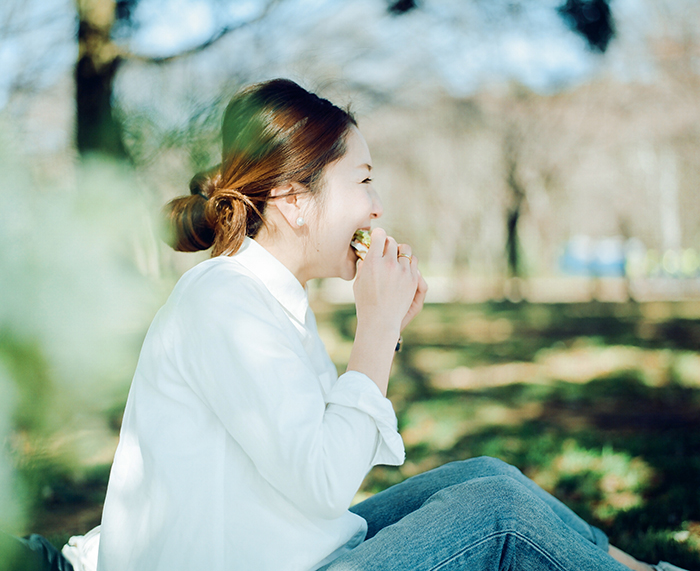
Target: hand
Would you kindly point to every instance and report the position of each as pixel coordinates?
(389, 290)
(405, 251)
(386, 294)
(418, 299)
(421, 290)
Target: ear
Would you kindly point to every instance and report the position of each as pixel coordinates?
(289, 200)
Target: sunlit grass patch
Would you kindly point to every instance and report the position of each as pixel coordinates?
(461, 324)
(689, 534)
(580, 363)
(432, 360)
(440, 423)
(687, 369)
(608, 481)
(468, 378)
(437, 424)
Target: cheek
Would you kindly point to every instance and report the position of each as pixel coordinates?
(338, 218)
(331, 238)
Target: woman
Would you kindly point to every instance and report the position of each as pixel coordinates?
(241, 448)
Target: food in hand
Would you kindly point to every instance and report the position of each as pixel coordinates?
(361, 241)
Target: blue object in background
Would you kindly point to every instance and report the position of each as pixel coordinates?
(583, 256)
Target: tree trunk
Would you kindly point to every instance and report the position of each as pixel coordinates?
(511, 159)
(97, 129)
(512, 246)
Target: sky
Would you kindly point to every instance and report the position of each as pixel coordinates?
(463, 44)
(36, 43)
(459, 44)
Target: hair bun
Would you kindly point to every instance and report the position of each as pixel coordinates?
(206, 182)
(226, 212)
(187, 229)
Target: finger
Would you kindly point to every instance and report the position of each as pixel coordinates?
(404, 253)
(376, 247)
(422, 289)
(419, 296)
(423, 285)
(415, 272)
(391, 248)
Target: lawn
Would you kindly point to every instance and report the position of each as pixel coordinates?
(598, 403)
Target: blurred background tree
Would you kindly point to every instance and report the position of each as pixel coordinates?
(150, 81)
(104, 28)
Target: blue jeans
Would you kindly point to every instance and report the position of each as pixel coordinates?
(476, 515)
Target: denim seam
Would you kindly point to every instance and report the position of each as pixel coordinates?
(487, 538)
(599, 538)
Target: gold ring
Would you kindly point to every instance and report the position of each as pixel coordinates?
(404, 256)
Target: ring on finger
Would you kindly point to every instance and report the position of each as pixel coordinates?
(405, 256)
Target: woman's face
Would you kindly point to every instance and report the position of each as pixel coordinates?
(347, 202)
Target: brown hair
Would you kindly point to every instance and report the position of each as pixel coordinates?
(273, 133)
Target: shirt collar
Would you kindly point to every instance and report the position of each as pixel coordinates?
(280, 282)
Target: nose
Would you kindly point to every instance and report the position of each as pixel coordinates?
(377, 208)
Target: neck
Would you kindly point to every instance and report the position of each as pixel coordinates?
(288, 246)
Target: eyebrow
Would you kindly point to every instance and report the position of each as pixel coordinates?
(365, 165)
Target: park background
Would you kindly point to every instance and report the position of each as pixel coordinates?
(541, 156)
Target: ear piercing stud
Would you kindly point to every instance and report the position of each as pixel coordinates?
(300, 221)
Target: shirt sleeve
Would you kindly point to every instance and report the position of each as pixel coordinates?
(356, 390)
(241, 355)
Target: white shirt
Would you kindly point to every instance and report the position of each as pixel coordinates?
(241, 448)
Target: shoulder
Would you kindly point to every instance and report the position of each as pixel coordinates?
(218, 287)
(222, 271)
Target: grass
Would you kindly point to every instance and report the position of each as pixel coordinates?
(598, 403)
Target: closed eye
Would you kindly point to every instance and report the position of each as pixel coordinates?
(367, 180)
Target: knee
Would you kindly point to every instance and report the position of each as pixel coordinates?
(499, 499)
(509, 499)
(485, 466)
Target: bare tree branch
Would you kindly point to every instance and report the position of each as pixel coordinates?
(8, 25)
(203, 46)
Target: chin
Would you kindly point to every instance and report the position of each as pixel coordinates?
(348, 271)
(348, 274)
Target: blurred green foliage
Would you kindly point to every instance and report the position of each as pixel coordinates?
(80, 280)
(24, 362)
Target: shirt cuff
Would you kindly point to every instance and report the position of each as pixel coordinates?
(356, 390)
